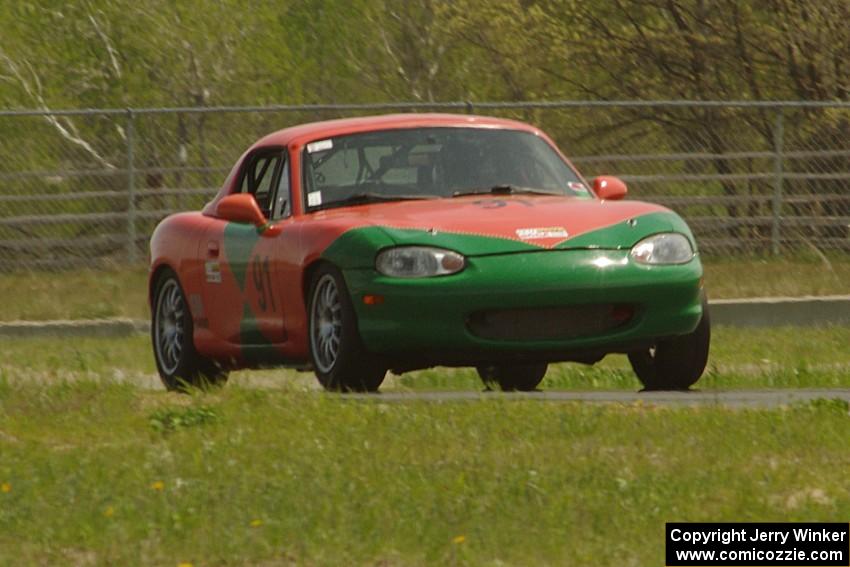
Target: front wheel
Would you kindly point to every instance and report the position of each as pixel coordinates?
(677, 363)
(180, 366)
(513, 377)
(339, 359)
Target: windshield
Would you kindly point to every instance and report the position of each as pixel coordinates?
(432, 163)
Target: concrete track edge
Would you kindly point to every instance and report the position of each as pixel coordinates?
(755, 312)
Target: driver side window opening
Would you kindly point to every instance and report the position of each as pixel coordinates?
(266, 177)
(282, 203)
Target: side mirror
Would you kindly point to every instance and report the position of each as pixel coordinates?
(244, 208)
(609, 188)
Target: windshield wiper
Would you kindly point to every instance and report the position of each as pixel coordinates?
(364, 198)
(504, 190)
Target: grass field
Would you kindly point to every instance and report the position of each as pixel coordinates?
(95, 473)
(740, 358)
(98, 465)
(122, 292)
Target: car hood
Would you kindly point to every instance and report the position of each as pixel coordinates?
(478, 225)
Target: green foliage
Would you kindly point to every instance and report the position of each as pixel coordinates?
(159, 53)
(119, 53)
(170, 419)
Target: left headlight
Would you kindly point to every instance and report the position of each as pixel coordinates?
(418, 262)
(666, 248)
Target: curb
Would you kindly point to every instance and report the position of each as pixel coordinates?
(755, 312)
(118, 327)
(781, 311)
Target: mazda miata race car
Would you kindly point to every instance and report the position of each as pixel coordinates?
(353, 247)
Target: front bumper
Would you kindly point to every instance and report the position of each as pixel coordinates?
(429, 319)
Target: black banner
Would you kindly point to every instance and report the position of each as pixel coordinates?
(767, 544)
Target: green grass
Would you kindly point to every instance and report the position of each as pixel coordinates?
(82, 294)
(91, 474)
(97, 467)
(814, 274)
(89, 294)
(740, 358)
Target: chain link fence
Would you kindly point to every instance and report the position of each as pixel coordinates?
(87, 187)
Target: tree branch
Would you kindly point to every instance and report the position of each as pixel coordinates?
(66, 130)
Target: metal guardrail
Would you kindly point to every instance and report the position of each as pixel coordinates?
(749, 176)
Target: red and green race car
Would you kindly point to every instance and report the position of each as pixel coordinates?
(358, 246)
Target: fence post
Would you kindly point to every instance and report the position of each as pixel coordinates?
(469, 108)
(131, 187)
(778, 136)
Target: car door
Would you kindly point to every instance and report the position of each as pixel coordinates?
(243, 269)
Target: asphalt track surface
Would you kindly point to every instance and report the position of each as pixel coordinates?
(392, 393)
(766, 398)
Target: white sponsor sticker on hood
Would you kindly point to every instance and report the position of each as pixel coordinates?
(542, 232)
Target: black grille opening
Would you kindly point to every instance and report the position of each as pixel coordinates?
(549, 323)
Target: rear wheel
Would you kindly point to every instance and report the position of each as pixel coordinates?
(180, 366)
(339, 359)
(513, 377)
(677, 363)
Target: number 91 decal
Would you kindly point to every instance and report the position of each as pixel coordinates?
(263, 284)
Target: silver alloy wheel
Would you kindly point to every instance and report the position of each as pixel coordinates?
(169, 326)
(325, 323)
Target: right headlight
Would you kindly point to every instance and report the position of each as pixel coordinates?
(666, 248)
(418, 262)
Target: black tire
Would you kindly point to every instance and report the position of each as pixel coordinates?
(180, 367)
(513, 377)
(677, 363)
(340, 361)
